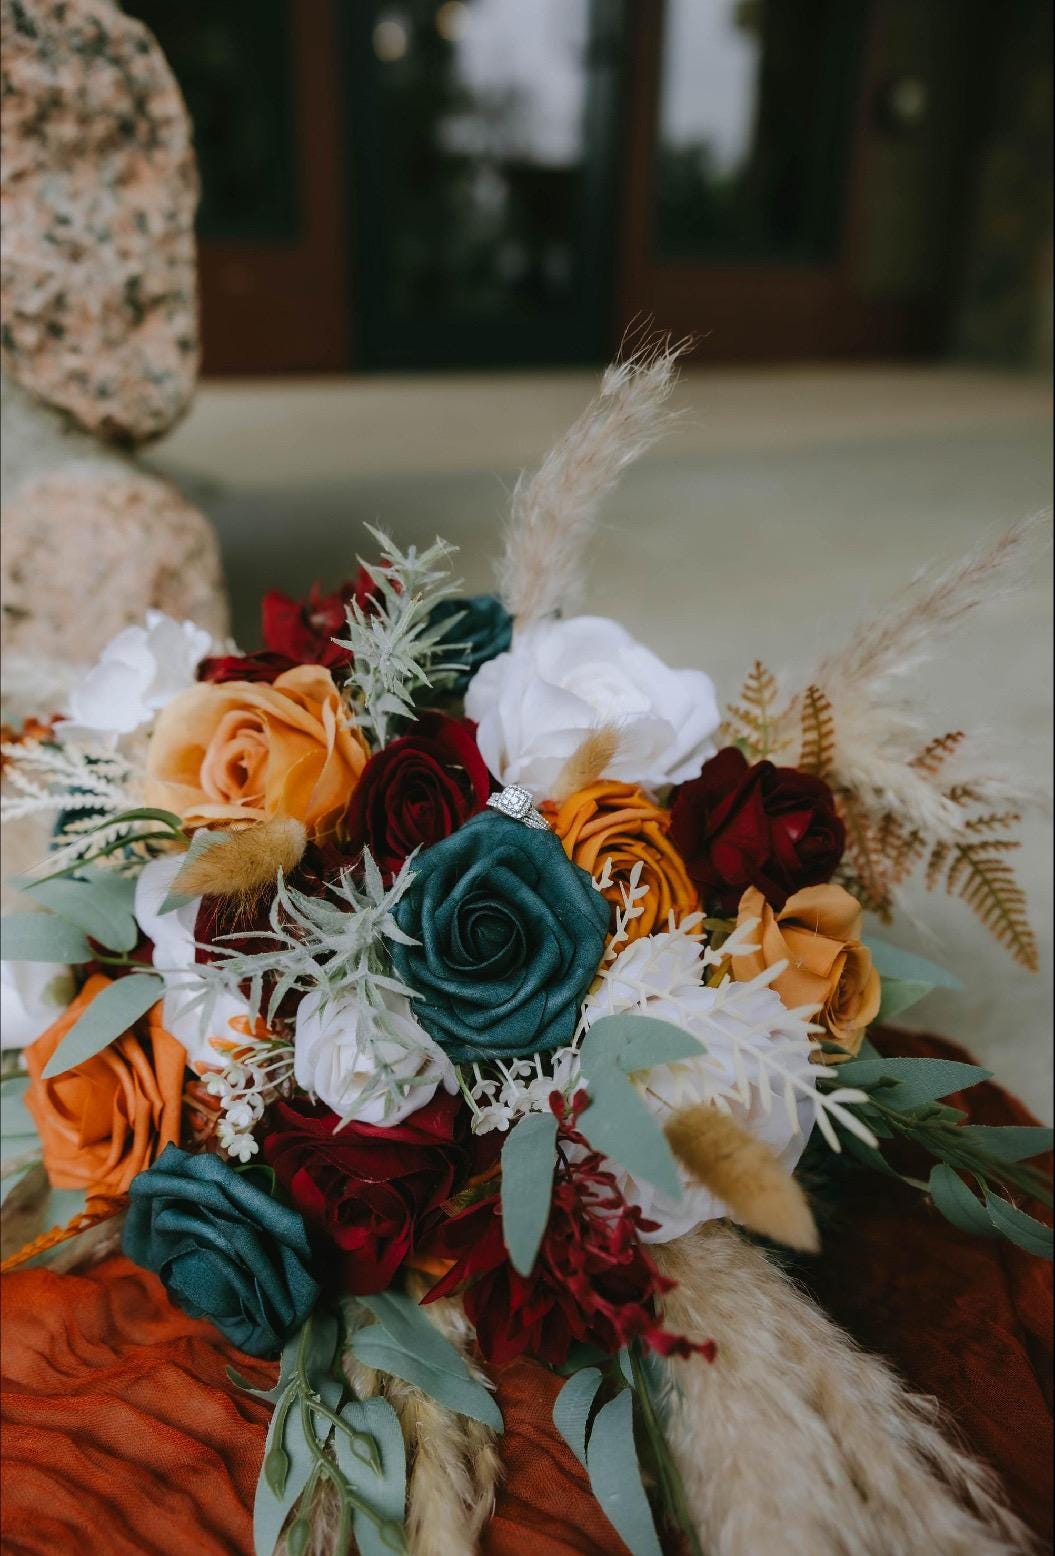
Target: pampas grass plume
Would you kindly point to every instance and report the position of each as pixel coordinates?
(743, 1172)
(241, 863)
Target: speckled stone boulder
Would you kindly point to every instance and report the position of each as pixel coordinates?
(97, 198)
(87, 552)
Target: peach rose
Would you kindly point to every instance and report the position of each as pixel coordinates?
(615, 821)
(103, 1121)
(818, 933)
(246, 751)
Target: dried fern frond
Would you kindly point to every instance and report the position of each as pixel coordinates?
(818, 733)
(865, 869)
(975, 869)
(753, 723)
(937, 752)
(554, 511)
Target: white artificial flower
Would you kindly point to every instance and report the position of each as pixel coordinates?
(755, 1056)
(32, 996)
(138, 672)
(535, 705)
(373, 1066)
(192, 1025)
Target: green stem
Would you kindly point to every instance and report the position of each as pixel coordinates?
(671, 1483)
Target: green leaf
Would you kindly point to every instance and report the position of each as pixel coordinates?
(890, 961)
(615, 1478)
(571, 1409)
(110, 1014)
(1008, 1142)
(18, 1132)
(405, 1343)
(618, 1123)
(956, 1203)
(528, 1158)
(1019, 1228)
(635, 1043)
(99, 905)
(917, 1081)
(270, 1510)
(385, 1490)
(40, 937)
(900, 994)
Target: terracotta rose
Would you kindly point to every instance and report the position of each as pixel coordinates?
(818, 933)
(246, 751)
(615, 821)
(105, 1120)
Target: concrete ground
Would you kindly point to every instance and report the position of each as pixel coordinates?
(782, 506)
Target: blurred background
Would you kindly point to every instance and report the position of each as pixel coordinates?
(424, 225)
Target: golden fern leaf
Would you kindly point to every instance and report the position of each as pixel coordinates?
(818, 733)
(937, 752)
(901, 848)
(749, 722)
(864, 870)
(935, 864)
(976, 870)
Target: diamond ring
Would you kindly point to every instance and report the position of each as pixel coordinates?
(515, 803)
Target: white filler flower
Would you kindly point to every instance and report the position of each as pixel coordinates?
(138, 672)
(535, 705)
(32, 996)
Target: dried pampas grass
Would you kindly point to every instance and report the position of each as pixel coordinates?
(796, 1441)
(554, 511)
(744, 1174)
(242, 862)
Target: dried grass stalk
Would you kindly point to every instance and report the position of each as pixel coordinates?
(554, 511)
(245, 861)
(796, 1441)
(587, 764)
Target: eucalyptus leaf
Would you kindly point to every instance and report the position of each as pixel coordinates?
(270, 1511)
(41, 937)
(1009, 1142)
(99, 905)
(956, 1202)
(617, 1122)
(1023, 1230)
(615, 1477)
(110, 1014)
(907, 1084)
(17, 1129)
(635, 1043)
(385, 1491)
(572, 1407)
(900, 994)
(405, 1343)
(528, 1159)
(890, 961)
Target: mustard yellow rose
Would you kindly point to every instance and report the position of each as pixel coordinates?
(818, 933)
(616, 822)
(246, 751)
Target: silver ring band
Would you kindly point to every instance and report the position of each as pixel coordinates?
(515, 803)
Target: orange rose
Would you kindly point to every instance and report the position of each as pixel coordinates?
(615, 821)
(103, 1121)
(818, 933)
(246, 751)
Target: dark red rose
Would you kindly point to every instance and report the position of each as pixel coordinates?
(296, 632)
(418, 790)
(770, 827)
(592, 1280)
(372, 1192)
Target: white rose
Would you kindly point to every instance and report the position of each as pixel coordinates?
(138, 672)
(660, 976)
(340, 1050)
(173, 937)
(32, 996)
(536, 704)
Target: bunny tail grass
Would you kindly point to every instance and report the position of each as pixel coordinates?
(555, 510)
(794, 1440)
(242, 862)
(745, 1175)
(586, 764)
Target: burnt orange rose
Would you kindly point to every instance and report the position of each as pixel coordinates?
(247, 751)
(106, 1119)
(818, 933)
(616, 822)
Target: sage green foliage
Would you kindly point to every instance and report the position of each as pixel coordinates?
(903, 1102)
(404, 1342)
(528, 1159)
(109, 1015)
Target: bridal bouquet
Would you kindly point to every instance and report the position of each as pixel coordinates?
(451, 981)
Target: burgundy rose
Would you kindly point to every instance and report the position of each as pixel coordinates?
(769, 827)
(370, 1191)
(418, 790)
(296, 632)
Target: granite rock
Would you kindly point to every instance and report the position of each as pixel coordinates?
(97, 198)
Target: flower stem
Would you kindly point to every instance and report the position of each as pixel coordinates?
(672, 1486)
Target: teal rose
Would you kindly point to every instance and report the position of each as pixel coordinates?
(509, 936)
(224, 1249)
(482, 630)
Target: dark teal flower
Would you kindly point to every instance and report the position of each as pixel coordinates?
(483, 630)
(511, 934)
(223, 1248)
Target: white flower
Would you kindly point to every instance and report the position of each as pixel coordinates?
(32, 996)
(373, 1065)
(194, 1026)
(756, 1066)
(138, 672)
(536, 704)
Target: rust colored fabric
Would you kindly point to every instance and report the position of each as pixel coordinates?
(122, 1433)
(105, 1120)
